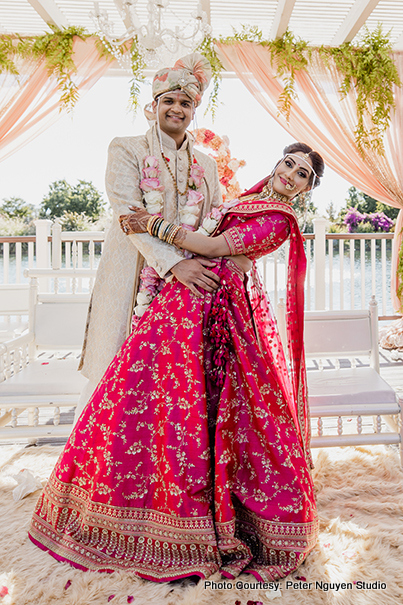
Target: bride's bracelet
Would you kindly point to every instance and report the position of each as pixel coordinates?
(153, 222)
(165, 231)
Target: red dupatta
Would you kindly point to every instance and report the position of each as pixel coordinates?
(294, 307)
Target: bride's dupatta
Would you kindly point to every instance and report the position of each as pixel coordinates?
(263, 317)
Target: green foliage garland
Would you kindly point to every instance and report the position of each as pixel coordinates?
(138, 65)
(7, 52)
(55, 48)
(208, 50)
(288, 54)
(367, 68)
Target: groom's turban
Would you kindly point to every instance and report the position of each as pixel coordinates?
(190, 74)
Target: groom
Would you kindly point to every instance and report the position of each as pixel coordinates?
(185, 190)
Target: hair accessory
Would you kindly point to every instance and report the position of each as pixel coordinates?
(304, 158)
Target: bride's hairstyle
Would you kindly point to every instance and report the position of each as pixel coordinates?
(316, 159)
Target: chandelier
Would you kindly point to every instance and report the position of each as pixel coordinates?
(156, 43)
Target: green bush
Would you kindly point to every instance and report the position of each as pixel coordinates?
(15, 226)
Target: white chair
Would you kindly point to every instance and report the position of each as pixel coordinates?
(13, 304)
(39, 368)
(347, 393)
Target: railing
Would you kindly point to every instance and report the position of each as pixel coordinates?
(68, 249)
(20, 247)
(343, 270)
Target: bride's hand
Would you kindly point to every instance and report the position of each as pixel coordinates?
(135, 222)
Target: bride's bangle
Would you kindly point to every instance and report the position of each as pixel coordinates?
(152, 223)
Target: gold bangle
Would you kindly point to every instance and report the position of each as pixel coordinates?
(173, 234)
(150, 223)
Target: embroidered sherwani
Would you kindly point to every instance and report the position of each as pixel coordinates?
(123, 257)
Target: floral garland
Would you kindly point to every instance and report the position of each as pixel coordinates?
(227, 166)
(153, 197)
(150, 282)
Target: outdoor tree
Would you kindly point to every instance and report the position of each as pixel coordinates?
(366, 204)
(16, 207)
(331, 212)
(62, 198)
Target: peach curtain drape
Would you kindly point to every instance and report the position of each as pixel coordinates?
(320, 118)
(30, 103)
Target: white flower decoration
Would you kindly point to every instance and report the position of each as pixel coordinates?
(209, 224)
(188, 218)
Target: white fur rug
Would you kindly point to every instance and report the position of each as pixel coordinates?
(360, 500)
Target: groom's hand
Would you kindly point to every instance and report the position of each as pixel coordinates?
(194, 274)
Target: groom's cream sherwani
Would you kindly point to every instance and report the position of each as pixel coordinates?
(123, 257)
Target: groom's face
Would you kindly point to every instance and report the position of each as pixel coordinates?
(175, 112)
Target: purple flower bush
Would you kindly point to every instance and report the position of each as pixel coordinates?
(353, 218)
(378, 220)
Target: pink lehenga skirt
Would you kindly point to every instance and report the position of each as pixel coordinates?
(186, 461)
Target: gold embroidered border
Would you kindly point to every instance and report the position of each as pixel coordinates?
(234, 241)
(102, 537)
(300, 537)
(160, 546)
(126, 519)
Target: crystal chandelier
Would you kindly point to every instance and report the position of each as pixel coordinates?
(156, 43)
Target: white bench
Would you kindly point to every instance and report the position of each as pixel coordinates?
(347, 393)
(32, 380)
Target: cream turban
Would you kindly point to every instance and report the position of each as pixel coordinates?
(191, 75)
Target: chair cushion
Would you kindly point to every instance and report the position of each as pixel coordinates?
(45, 377)
(348, 386)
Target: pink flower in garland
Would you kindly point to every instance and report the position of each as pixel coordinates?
(194, 198)
(151, 184)
(196, 176)
(150, 161)
(216, 214)
(227, 205)
(151, 281)
(150, 172)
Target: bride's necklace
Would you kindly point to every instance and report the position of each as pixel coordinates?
(268, 191)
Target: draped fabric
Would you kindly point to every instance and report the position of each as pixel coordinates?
(29, 103)
(327, 123)
(190, 456)
(263, 317)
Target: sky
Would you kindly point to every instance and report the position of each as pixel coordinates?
(75, 147)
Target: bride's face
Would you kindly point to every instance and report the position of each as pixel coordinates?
(291, 176)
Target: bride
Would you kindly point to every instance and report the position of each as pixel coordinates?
(192, 455)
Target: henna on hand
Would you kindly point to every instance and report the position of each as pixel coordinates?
(135, 222)
(180, 238)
